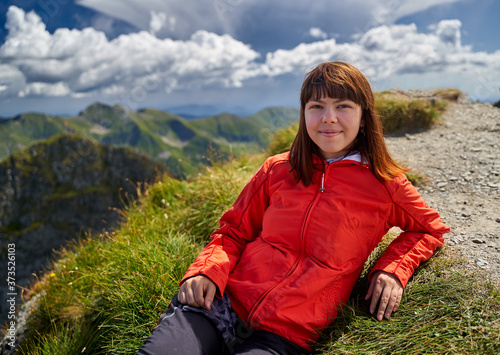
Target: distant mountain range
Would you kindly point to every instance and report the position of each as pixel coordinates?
(201, 111)
(182, 145)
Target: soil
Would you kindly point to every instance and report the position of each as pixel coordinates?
(459, 160)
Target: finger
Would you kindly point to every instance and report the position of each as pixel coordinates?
(398, 299)
(181, 296)
(377, 291)
(189, 297)
(393, 300)
(210, 294)
(384, 300)
(198, 295)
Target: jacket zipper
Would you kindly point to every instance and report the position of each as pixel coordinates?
(301, 252)
(322, 188)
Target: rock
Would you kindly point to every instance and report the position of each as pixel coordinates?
(481, 263)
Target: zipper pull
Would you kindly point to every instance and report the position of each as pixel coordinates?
(322, 188)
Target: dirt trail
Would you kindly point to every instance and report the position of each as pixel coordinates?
(460, 158)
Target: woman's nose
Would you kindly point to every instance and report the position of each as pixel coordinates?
(329, 115)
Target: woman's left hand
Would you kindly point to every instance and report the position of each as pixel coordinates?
(387, 289)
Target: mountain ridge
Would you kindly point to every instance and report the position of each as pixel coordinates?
(182, 145)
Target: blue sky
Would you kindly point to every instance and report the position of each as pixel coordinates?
(58, 56)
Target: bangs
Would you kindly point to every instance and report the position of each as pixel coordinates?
(334, 83)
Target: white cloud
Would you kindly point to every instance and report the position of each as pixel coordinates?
(157, 21)
(317, 32)
(386, 53)
(12, 80)
(304, 57)
(45, 89)
(449, 32)
(161, 25)
(86, 61)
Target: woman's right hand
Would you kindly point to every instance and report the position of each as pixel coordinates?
(198, 291)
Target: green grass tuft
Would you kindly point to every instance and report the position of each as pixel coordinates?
(450, 94)
(415, 178)
(283, 139)
(400, 114)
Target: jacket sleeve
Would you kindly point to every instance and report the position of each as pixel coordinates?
(422, 232)
(240, 225)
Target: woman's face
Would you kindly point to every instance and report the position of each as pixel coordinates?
(333, 124)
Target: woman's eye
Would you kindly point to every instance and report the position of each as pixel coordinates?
(316, 107)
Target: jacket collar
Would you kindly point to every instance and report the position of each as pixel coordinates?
(353, 157)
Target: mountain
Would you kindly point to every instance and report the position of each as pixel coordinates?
(184, 146)
(55, 190)
(200, 111)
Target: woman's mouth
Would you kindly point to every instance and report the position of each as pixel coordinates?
(329, 133)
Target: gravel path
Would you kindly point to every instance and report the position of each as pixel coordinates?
(460, 160)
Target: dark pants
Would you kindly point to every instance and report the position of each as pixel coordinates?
(183, 332)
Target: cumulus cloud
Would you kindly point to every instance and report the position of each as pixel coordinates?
(317, 32)
(448, 31)
(161, 25)
(389, 50)
(80, 62)
(386, 53)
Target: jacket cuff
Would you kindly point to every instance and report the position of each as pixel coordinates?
(212, 275)
(401, 276)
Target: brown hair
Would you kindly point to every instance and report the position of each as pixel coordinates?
(342, 81)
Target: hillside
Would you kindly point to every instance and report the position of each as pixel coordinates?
(59, 189)
(184, 146)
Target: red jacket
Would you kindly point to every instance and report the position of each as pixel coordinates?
(288, 255)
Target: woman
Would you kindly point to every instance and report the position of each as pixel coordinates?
(289, 251)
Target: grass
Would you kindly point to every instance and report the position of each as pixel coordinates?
(283, 139)
(450, 94)
(400, 114)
